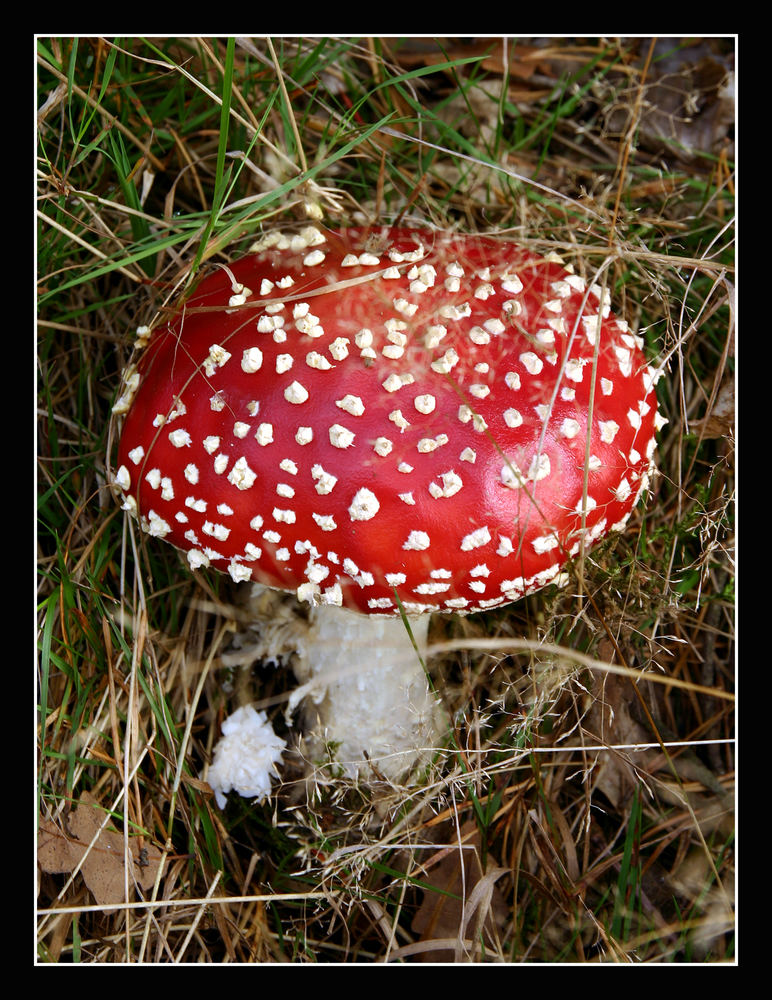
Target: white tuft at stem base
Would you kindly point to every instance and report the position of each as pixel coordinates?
(367, 706)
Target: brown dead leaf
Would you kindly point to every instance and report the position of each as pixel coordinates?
(719, 421)
(689, 103)
(678, 775)
(62, 850)
(610, 722)
(463, 901)
(520, 61)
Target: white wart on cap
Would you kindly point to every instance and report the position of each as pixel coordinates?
(383, 417)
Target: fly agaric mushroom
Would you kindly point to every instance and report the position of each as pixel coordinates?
(387, 422)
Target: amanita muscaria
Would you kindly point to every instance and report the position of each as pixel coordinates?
(389, 421)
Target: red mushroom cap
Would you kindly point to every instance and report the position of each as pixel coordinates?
(376, 417)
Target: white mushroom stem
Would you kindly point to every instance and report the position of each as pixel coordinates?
(365, 700)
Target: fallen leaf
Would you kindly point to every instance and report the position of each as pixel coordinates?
(63, 849)
(719, 420)
(522, 60)
(462, 900)
(689, 102)
(610, 722)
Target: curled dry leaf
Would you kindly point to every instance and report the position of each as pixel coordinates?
(679, 777)
(688, 104)
(64, 849)
(610, 722)
(718, 422)
(495, 55)
(463, 901)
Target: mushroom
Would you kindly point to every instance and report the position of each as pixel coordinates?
(386, 423)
